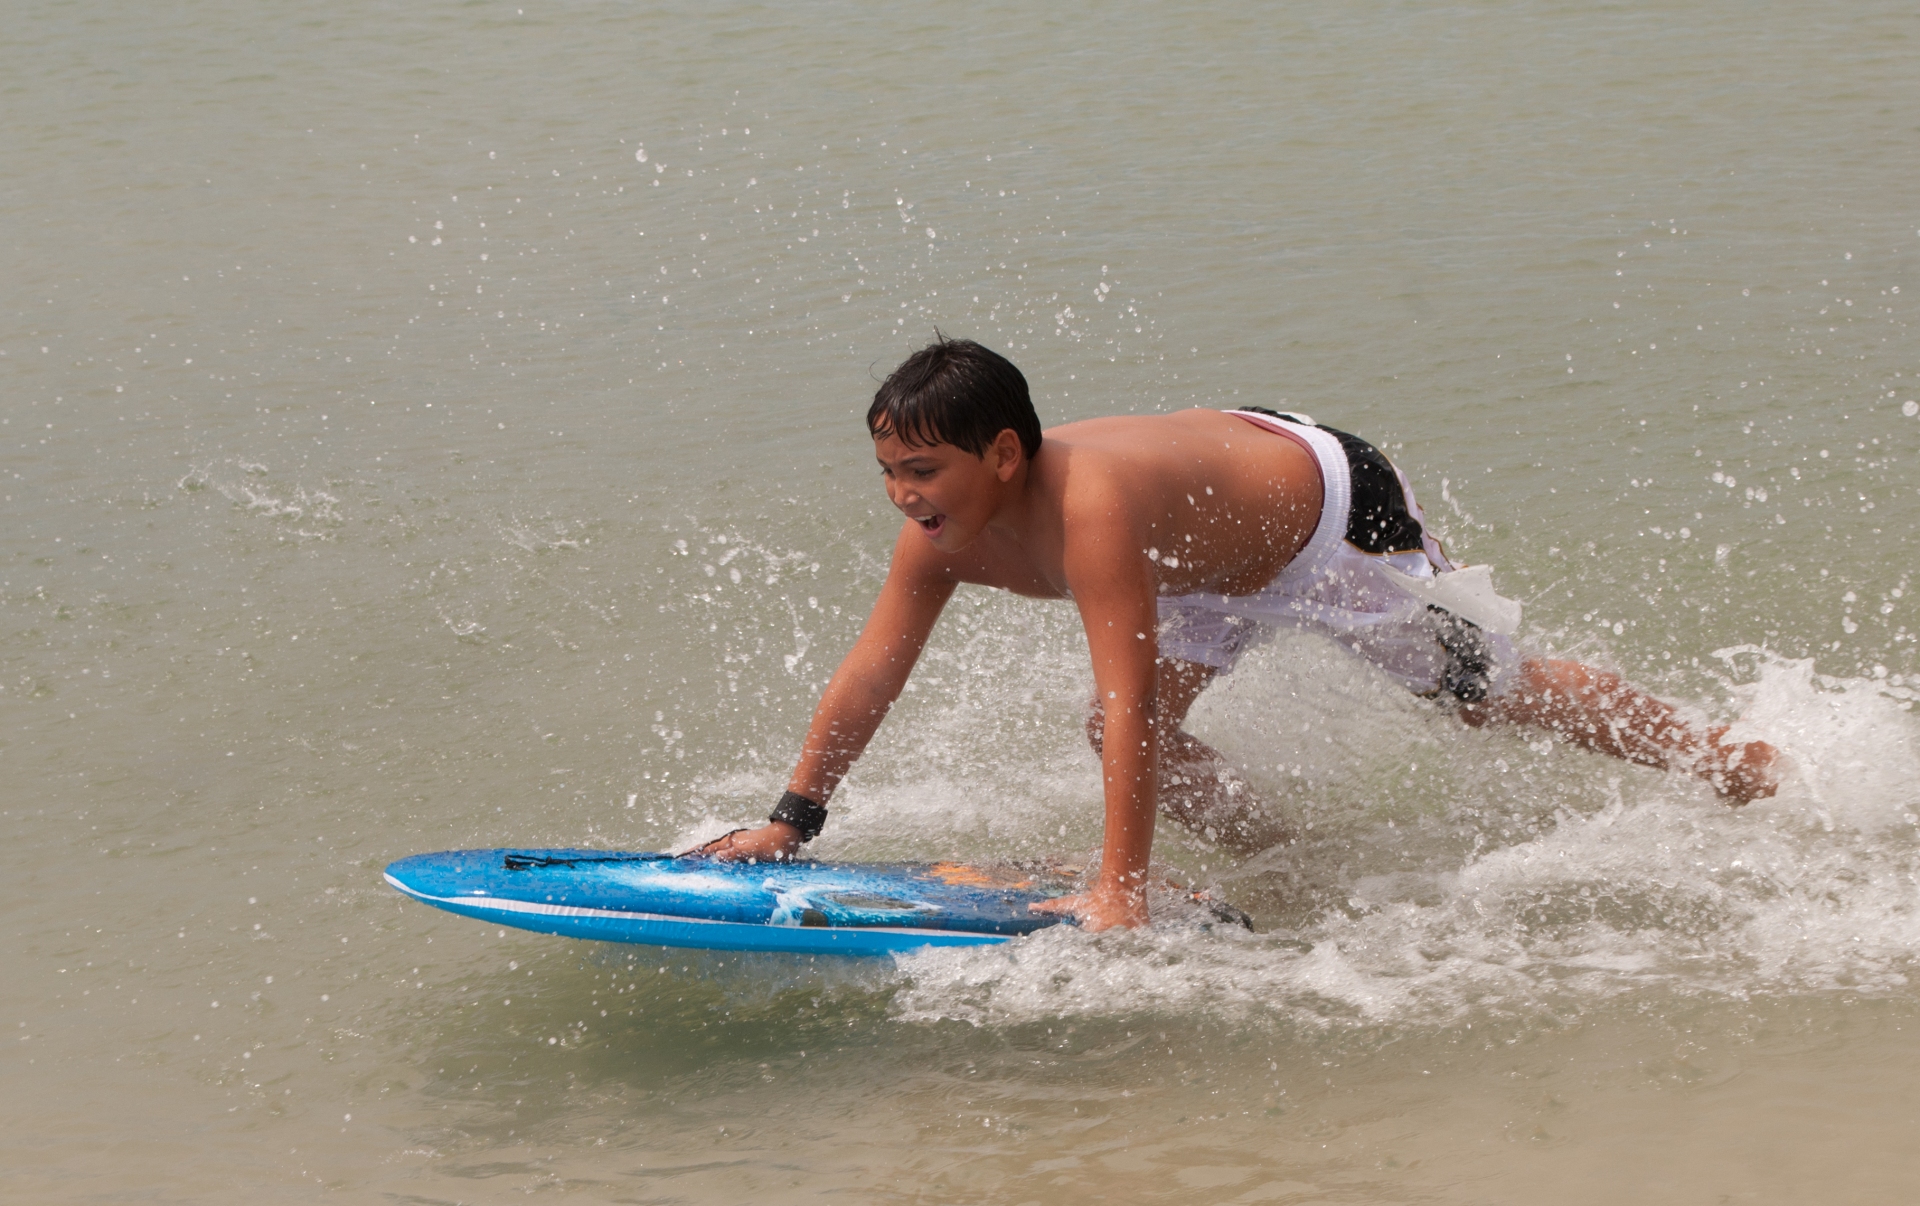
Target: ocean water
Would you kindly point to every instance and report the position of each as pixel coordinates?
(439, 425)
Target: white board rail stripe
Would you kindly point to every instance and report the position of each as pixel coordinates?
(499, 904)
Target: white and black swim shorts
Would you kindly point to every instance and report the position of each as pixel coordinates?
(1351, 582)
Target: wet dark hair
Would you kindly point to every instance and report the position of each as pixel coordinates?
(953, 391)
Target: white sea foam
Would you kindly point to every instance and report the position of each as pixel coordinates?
(1442, 872)
(1617, 880)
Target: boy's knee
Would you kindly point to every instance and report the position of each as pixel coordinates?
(1542, 677)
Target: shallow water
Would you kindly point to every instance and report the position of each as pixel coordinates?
(438, 425)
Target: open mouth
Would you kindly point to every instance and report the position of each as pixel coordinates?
(932, 525)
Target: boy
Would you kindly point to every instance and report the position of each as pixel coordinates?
(1179, 538)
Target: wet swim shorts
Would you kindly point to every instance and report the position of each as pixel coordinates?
(1350, 582)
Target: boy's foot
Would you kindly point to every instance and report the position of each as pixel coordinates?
(1743, 771)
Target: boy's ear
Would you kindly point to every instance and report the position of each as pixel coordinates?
(1006, 453)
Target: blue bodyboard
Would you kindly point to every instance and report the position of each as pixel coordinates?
(801, 908)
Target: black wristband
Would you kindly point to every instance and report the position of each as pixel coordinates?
(801, 813)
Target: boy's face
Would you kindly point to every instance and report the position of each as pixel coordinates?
(950, 493)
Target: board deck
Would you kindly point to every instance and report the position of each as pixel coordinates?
(800, 908)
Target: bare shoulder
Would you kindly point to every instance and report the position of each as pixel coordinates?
(1104, 470)
(1086, 477)
(1104, 500)
(1237, 499)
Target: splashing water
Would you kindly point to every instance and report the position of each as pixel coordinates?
(1502, 902)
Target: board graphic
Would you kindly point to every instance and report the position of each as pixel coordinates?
(801, 907)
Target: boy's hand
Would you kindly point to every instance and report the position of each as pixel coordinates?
(771, 843)
(1100, 909)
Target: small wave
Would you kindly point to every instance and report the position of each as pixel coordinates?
(312, 514)
(1498, 898)
(539, 536)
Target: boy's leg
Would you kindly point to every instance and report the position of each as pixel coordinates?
(1599, 711)
(1197, 786)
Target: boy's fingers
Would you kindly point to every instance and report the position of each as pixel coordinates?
(1059, 904)
(1092, 914)
(716, 846)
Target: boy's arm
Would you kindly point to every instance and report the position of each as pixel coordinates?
(1114, 587)
(862, 690)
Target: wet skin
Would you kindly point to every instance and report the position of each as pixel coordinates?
(1113, 513)
(1223, 504)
